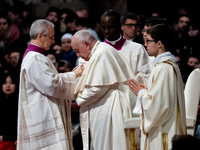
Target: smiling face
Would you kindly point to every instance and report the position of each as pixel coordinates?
(66, 44)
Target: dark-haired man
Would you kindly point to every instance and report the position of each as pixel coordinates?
(134, 53)
(161, 103)
(131, 27)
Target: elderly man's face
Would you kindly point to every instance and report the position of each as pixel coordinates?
(48, 39)
(82, 49)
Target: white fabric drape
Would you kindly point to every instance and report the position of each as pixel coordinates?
(105, 99)
(44, 116)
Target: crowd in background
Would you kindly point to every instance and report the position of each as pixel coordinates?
(14, 39)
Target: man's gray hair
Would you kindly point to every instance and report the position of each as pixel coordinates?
(40, 26)
(84, 35)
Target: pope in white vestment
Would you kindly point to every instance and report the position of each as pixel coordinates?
(104, 99)
(137, 57)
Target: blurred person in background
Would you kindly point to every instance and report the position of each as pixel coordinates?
(53, 15)
(8, 111)
(83, 23)
(183, 40)
(150, 22)
(8, 32)
(131, 27)
(68, 53)
(63, 14)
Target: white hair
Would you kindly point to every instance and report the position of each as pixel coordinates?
(40, 26)
(84, 35)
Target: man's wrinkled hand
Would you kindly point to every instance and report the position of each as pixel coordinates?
(78, 70)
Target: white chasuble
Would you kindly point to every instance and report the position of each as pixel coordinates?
(105, 99)
(135, 54)
(44, 116)
(163, 105)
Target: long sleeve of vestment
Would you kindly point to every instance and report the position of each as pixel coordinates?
(159, 101)
(138, 110)
(144, 67)
(44, 79)
(91, 95)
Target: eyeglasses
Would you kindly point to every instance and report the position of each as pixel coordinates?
(149, 41)
(130, 25)
(52, 38)
(14, 57)
(143, 31)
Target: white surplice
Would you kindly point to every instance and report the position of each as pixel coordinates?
(44, 117)
(162, 106)
(136, 56)
(105, 99)
(138, 59)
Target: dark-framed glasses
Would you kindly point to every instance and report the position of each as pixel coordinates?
(51, 37)
(143, 31)
(149, 41)
(130, 25)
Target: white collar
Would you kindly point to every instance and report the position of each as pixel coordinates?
(113, 42)
(166, 55)
(94, 48)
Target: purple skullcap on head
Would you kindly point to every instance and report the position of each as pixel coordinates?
(67, 36)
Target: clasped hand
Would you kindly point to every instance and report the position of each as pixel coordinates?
(135, 87)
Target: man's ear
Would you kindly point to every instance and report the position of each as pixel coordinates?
(86, 44)
(159, 43)
(39, 35)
